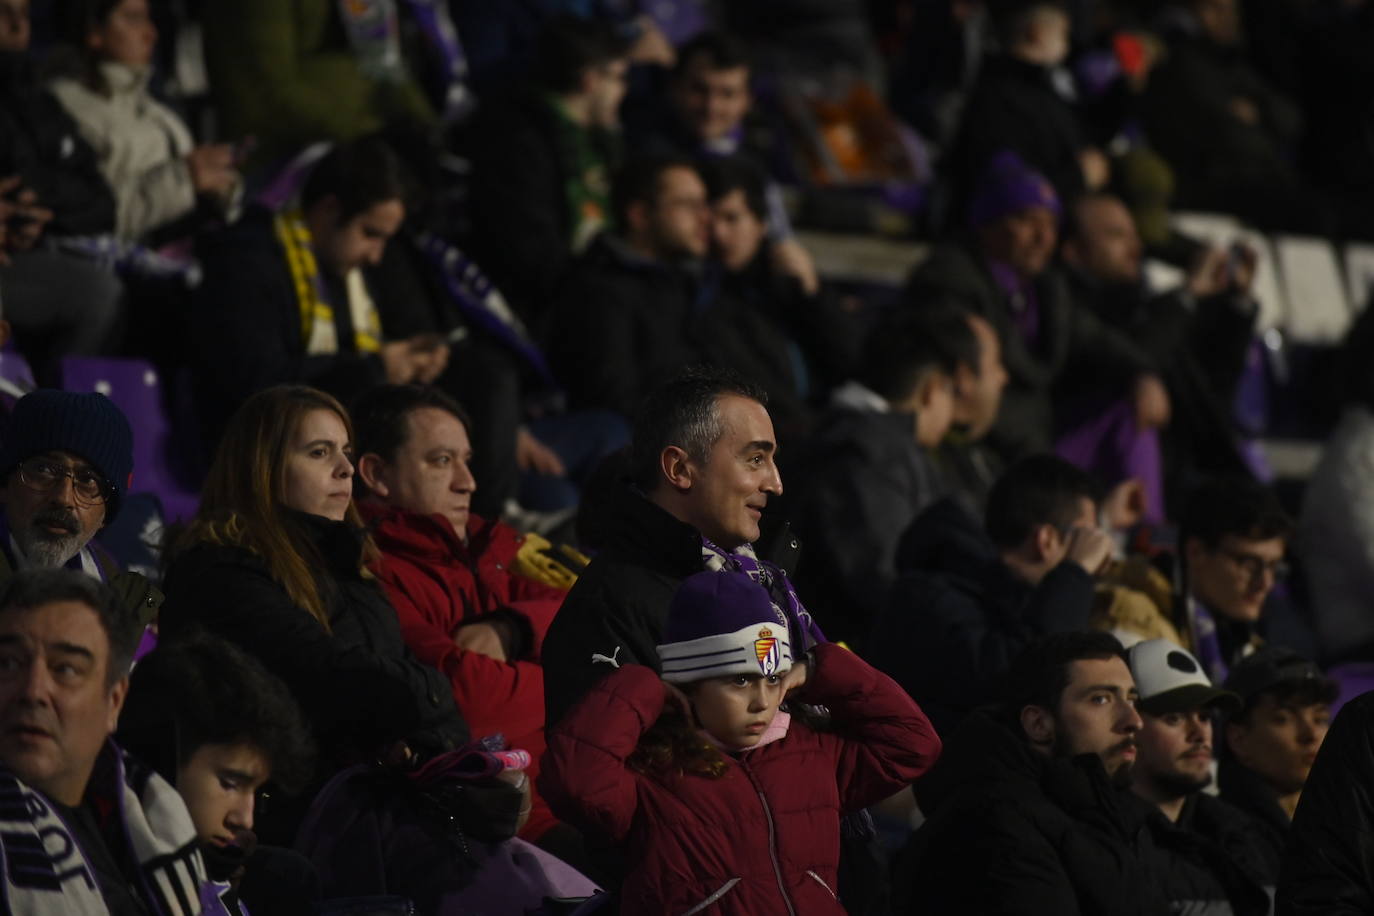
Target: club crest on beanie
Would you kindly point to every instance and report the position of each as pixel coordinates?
(723, 623)
(88, 425)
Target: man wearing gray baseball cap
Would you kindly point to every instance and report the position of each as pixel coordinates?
(1215, 860)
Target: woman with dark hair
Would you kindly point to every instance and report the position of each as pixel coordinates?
(213, 722)
(158, 173)
(276, 561)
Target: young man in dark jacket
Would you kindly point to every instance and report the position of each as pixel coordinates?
(1217, 859)
(1027, 810)
(1327, 867)
(867, 471)
(542, 161)
(973, 597)
(1270, 744)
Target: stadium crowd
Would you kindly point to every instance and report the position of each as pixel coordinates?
(444, 564)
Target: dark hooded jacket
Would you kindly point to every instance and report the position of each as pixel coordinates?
(1328, 867)
(957, 615)
(1014, 831)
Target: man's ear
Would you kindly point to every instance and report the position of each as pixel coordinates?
(1193, 549)
(1038, 724)
(370, 467)
(1043, 540)
(677, 468)
(1070, 252)
(118, 692)
(1235, 741)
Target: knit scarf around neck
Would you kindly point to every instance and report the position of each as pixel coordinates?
(318, 330)
(790, 611)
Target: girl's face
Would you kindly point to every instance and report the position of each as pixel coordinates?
(319, 473)
(127, 36)
(737, 709)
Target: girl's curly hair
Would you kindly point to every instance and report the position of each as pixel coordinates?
(671, 747)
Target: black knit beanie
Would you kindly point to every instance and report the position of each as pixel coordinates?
(89, 426)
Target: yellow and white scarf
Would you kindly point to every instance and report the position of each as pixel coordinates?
(317, 315)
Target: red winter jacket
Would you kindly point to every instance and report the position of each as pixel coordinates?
(763, 839)
(436, 582)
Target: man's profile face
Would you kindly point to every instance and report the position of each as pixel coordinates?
(429, 473)
(1175, 751)
(1107, 246)
(680, 217)
(711, 102)
(979, 395)
(360, 241)
(1279, 741)
(731, 488)
(57, 705)
(1097, 714)
(51, 525)
(1234, 578)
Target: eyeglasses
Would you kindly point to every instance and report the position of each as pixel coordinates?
(1256, 566)
(43, 476)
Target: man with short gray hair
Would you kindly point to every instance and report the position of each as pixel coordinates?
(701, 473)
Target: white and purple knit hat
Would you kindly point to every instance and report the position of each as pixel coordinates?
(723, 623)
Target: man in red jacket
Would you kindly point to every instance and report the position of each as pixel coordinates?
(448, 572)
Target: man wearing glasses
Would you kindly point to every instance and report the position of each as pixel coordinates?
(65, 465)
(1233, 537)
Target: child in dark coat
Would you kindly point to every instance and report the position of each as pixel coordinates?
(717, 796)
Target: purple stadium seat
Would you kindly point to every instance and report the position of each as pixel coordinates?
(1355, 678)
(133, 385)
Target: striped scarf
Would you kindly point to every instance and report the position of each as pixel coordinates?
(318, 330)
(804, 631)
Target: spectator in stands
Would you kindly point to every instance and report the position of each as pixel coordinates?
(210, 720)
(1326, 861)
(1067, 369)
(89, 829)
(157, 172)
(1027, 809)
(772, 304)
(1234, 535)
(1217, 861)
(708, 117)
(968, 468)
(296, 73)
(542, 161)
(67, 462)
(1227, 133)
(284, 298)
(1017, 105)
(1199, 335)
(277, 563)
(629, 762)
(59, 304)
(868, 471)
(1270, 744)
(970, 600)
(450, 574)
(627, 317)
(702, 471)
(1336, 529)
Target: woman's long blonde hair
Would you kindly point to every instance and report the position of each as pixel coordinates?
(243, 501)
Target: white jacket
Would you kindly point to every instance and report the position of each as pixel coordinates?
(1336, 535)
(141, 145)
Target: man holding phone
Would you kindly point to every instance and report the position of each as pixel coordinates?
(285, 298)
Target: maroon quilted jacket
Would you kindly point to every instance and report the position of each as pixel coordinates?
(763, 839)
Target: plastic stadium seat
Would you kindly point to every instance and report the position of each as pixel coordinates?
(1162, 277)
(1318, 304)
(1359, 274)
(134, 386)
(1216, 228)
